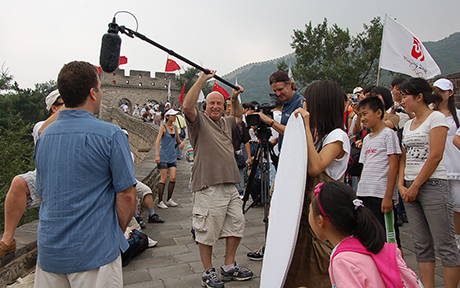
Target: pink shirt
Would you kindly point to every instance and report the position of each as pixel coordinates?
(353, 269)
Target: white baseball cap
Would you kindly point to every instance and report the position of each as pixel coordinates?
(171, 112)
(357, 89)
(444, 84)
(51, 98)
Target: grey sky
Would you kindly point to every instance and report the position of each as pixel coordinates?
(39, 37)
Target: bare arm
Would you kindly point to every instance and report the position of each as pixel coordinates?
(387, 202)
(50, 120)
(358, 125)
(247, 148)
(125, 205)
(237, 110)
(275, 125)
(438, 137)
(161, 132)
(389, 124)
(192, 95)
(178, 141)
(457, 141)
(402, 168)
(318, 162)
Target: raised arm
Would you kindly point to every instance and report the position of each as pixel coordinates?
(192, 95)
(237, 110)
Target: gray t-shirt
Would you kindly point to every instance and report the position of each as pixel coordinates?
(213, 151)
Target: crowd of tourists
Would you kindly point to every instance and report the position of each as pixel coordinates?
(377, 158)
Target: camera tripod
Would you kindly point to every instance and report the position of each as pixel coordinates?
(261, 161)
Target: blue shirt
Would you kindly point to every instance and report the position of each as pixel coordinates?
(82, 163)
(288, 108)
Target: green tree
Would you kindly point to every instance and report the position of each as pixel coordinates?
(16, 157)
(333, 54)
(30, 103)
(282, 66)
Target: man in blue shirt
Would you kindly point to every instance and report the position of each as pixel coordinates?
(85, 175)
(284, 88)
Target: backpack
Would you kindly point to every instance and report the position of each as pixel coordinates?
(356, 143)
(138, 242)
(394, 270)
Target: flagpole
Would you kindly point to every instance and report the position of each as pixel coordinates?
(378, 77)
(132, 33)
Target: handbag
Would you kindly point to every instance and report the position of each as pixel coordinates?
(182, 133)
(356, 143)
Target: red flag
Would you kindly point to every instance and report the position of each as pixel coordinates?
(171, 65)
(123, 60)
(221, 90)
(181, 97)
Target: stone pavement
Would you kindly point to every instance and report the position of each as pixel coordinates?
(175, 262)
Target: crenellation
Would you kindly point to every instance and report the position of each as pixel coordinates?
(137, 88)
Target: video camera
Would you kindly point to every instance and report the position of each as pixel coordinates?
(263, 130)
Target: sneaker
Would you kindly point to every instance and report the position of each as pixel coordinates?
(237, 273)
(5, 249)
(210, 279)
(152, 243)
(156, 219)
(162, 205)
(257, 255)
(141, 222)
(171, 203)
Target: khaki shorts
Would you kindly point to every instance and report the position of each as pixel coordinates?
(142, 190)
(109, 275)
(217, 213)
(33, 200)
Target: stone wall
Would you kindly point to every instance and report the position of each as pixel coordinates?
(137, 88)
(142, 137)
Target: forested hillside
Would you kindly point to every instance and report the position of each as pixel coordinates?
(254, 77)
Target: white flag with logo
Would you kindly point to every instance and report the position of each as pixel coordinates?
(403, 52)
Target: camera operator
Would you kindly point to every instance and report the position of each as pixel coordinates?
(249, 109)
(284, 88)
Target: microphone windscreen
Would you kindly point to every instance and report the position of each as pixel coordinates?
(110, 52)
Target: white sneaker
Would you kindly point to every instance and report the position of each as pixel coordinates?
(162, 205)
(171, 203)
(152, 243)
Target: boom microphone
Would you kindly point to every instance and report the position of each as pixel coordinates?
(110, 48)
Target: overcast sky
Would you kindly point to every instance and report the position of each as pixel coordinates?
(39, 37)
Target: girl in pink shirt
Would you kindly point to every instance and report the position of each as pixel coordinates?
(361, 258)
